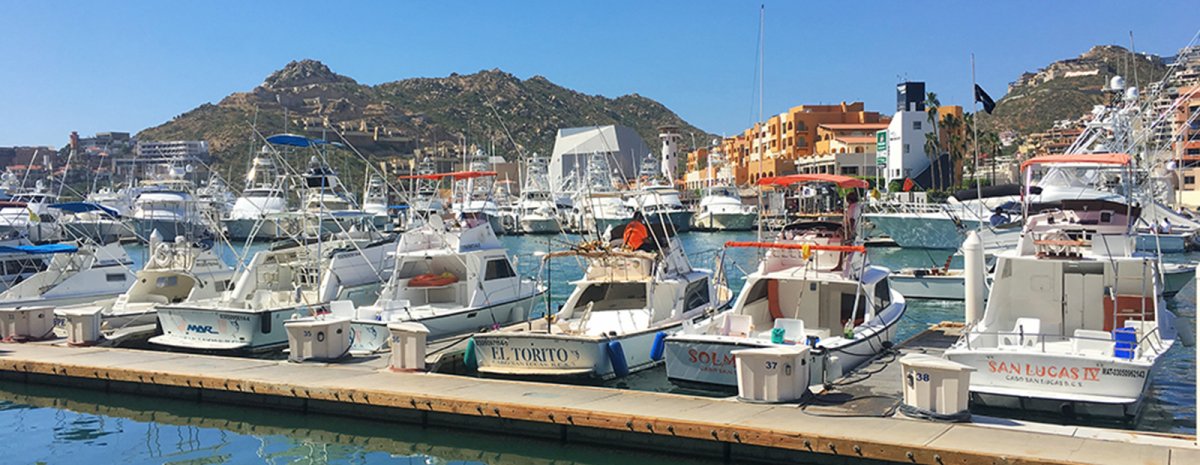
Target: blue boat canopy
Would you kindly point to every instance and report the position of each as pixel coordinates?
(397, 207)
(39, 249)
(294, 140)
(84, 207)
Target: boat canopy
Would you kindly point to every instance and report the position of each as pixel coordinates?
(1082, 158)
(84, 207)
(295, 140)
(457, 175)
(841, 181)
(39, 249)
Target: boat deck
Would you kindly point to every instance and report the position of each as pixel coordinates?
(721, 428)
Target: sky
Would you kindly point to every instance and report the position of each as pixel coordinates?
(125, 66)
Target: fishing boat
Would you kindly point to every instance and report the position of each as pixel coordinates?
(950, 284)
(91, 222)
(608, 327)
(454, 281)
(175, 272)
(259, 211)
(17, 264)
(813, 287)
(661, 203)
(375, 201)
(75, 274)
(721, 209)
(287, 281)
(476, 195)
(537, 211)
(1075, 323)
(29, 214)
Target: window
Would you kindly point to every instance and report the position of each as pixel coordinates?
(1189, 179)
(696, 295)
(905, 148)
(166, 281)
(850, 170)
(612, 296)
(498, 269)
(1193, 151)
(115, 277)
(883, 293)
(916, 125)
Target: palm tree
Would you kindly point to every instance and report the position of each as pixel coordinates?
(931, 147)
(931, 112)
(952, 129)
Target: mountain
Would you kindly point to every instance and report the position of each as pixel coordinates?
(420, 113)
(1068, 89)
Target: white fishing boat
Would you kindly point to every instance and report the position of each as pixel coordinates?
(1075, 323)
(287, 281)
(950, 284)
(609, 325)
(90, 222)
(476, 196)
(812, 287)
(175, 272)
(17, 264)
(721, 209)
(30, 215)
(375, 201)
(75, 274)
(258, 213)
(537, 211)
(454, 282)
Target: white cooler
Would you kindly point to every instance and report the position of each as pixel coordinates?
(934, 384)
(772, 374)
(18, 324)
(408, 346)
(82, 324)
(319, 339)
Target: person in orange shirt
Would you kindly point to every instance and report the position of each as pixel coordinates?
(635, 235)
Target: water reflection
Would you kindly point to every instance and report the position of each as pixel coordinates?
(62, 425)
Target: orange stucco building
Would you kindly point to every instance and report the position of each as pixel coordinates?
(771, 148)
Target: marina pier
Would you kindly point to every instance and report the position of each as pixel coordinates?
(736, 432)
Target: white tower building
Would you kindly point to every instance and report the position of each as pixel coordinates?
(670, 151)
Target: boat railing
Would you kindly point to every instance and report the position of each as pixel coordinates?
(1027, 341)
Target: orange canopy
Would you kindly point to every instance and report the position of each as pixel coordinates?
(457, 175)
(1082, 158)
(841, 181)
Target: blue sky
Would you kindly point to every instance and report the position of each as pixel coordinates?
(97, 66)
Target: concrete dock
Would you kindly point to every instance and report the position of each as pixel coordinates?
(720, 428)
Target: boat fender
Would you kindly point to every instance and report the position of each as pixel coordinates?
(660, 345)
(616, 357)
(470, 359)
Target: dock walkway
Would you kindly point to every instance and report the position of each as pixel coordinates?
(737, 432)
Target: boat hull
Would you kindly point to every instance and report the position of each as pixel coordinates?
(539, 225)
(706, 221)
(929, 287)
(1058, 384)
(243, 228)
(1176, 277)
(1166, 243)
(372, 336)
(167, 229)
(559, 356)
(681, 220)
(215, 330)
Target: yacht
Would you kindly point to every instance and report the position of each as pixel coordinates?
(721, 209)
(92, 222)
(19, 260)
(1074, 323)
(813, 286)
(608, 326)
(326, 206)
(454, 282)
(167, 206)
(287, 281)
(175, 272)
(75, 274)
(258, 213)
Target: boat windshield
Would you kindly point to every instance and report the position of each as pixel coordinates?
(613, 296)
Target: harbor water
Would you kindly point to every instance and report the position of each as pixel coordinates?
(42, 424)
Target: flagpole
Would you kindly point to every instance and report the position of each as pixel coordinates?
(975, 129)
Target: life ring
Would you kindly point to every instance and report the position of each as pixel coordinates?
(162, 255)
(432, 280)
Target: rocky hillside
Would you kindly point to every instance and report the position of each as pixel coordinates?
(1069, 88)
(421, 113)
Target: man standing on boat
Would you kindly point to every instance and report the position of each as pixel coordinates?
(635, 234)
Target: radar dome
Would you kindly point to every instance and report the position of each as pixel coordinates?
(1117, 83)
